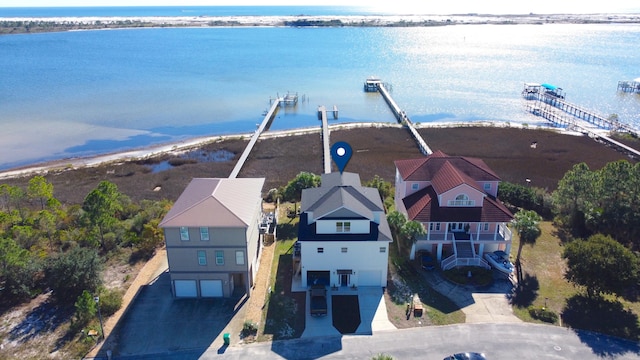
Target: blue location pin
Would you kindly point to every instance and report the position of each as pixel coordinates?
(341, 153)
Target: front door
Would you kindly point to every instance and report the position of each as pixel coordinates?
(344, 279)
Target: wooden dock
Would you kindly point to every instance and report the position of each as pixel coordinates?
(263, 125)
(403, 119)
(546, 111)
(326, 148)
(629, 86)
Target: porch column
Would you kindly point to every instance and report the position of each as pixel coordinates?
(481, 249)
(429, 230)
(446, 231)
(495, 231)
(439, 252)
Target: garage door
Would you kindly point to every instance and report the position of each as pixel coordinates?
(369, 278)
(186, 288)
(211, 288)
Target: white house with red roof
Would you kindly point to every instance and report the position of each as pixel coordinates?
(455, 198)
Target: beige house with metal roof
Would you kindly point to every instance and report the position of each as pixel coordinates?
(213, 238)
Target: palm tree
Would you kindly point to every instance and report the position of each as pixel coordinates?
(527, 225)
(411, 230)
(396, 221)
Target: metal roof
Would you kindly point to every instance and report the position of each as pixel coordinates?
(215, 202)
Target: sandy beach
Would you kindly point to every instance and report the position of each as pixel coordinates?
(343, 20)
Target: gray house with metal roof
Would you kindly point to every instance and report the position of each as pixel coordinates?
(213, 238)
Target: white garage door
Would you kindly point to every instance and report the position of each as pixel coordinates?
(211, 288)
(186, 288)
(369, 278)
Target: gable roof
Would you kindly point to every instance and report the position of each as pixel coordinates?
(341, 196)
(216, 202)
(461, 168)
(334, 195)
(423, 206)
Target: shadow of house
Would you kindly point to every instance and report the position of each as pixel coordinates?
(157, 323)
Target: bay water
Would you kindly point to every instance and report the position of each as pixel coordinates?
(83, 93)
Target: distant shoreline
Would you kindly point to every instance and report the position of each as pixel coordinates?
(20, 25)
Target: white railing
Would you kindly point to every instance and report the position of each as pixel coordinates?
(453, 261)
(461, 203)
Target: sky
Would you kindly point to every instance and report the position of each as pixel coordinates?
(398, 6)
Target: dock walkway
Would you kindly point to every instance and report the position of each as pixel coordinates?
(546, 111)
(245, 154)
(326, 148)
(403, 119)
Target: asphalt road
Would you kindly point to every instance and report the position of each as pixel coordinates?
(522, 341)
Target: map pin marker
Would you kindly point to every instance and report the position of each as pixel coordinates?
(341, 153)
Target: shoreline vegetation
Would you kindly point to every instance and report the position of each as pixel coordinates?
(162, 173)
(22, 25)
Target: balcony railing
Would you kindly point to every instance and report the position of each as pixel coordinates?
(503, 234)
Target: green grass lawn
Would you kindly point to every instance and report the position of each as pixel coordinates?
(545, 286)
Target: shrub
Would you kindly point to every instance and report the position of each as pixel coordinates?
(543, 314)
(249, 328)
(110, 301)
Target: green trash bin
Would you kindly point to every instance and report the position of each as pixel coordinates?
(227, 338)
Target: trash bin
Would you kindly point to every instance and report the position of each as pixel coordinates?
(226, 338)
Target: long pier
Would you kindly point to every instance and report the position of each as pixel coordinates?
(326, 148)
(538, 108)
(263, 125)
(403, 119)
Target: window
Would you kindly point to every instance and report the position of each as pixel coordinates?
(430, 226)
(487, 186)
(383, 249)
(343, 226)
(320, 250)
(437, 226)
(202, 257)
(204, 233)
(219, 257)
(486, 226)
(184, 233)
(462, 200)
(344, 250)
(415, 186)
(239, 257)
(434, 226)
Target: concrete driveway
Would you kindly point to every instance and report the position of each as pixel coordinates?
(480, 305)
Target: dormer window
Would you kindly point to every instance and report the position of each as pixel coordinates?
(415, 186)
(462, 200)
(343, 226)
(487, 186)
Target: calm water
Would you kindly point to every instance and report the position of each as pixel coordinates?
(90, 92)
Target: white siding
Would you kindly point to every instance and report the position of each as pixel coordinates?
(329, 226)
(360, 256)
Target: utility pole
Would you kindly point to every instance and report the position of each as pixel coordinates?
(97, 299)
